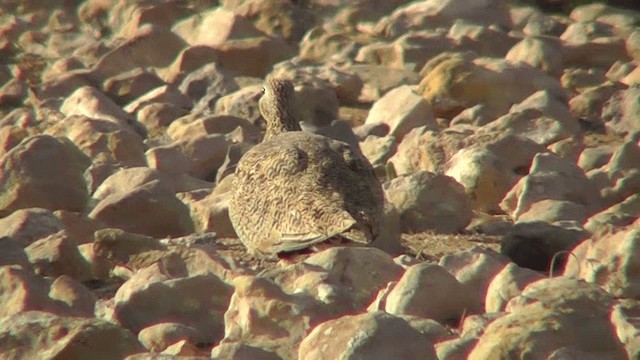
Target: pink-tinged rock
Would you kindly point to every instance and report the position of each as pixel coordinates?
(550, 178)
(375, 335)
(58, 255)
(609, 260)
(34, 177)
(402, 110)
(427, 201)
(624, 317)
(102, 140)
(26, 226)
(35, 334)
(151, 46)
(158, 337)
(164, 293)
(507, 284)
(475, 268)
(431, 292)
(22, 290)
(149, 209)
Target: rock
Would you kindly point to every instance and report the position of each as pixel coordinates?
(26, 226)
(359, 271)
(595, 157)
(621, 112)
(262, 315)
(418, 199)
(208, 83)
(550, 178)
(475, 269)
(455, 349)
(402, 110)
(620, 178)
(453, 82)
(132, 250)
(434, 13)
(242, 103)
(127, 179)
(156, 117)
(192, 126)
(13, 253)
(552, 211)
(104, 141)
(238, 351)
(623, 319)
(540, 245)
(33, 176)
(540, 117)
(35, 334)
(507, 284)
(91, 103)
(607, 260)
(540, 53)
(206, 152)
(490, 40)
(410, 51)
(618, 215)
(429, 291)
(162, 94)
(235, 40)
(164, 292)
(127, 86)
(378, 80)
(378, 149)
(164, 214)
(158, 337)
(63, 297)
(555, 315)
(150, 46)
(57, 255)
(210, 212)
(374, 335)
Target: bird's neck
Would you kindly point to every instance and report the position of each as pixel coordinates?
(284, 121)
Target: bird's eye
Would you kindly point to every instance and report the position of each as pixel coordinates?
(263, 90)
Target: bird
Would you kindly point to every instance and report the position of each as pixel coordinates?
(296, 189)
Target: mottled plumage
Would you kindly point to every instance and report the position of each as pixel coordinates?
(296, 189)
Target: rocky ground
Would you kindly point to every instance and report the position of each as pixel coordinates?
(508, 141)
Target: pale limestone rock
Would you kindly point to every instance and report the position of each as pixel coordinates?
(624, 318)
(552, 211)
(427, 201)
(162, 94)
(25, 226)
(433, 13)
(541, 117)
(162, 292)
(541, 53)
(239, 351)
(63, 296)
(402, 110)
(409, 52)
(429, 291)
(235, 39)
(376, 335)
(360, 271)
(149, 209)
(475, 269)
(58, 255)
(621, 112)
(158, 337)
(618, 215)
(36, 334)
(262, 315)
(130, 85)
(507, 284)
(608, 260)
(103, 141)
(552, 317)
(151, 46)
(453, 82)
(550, 178)
(33, 175)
